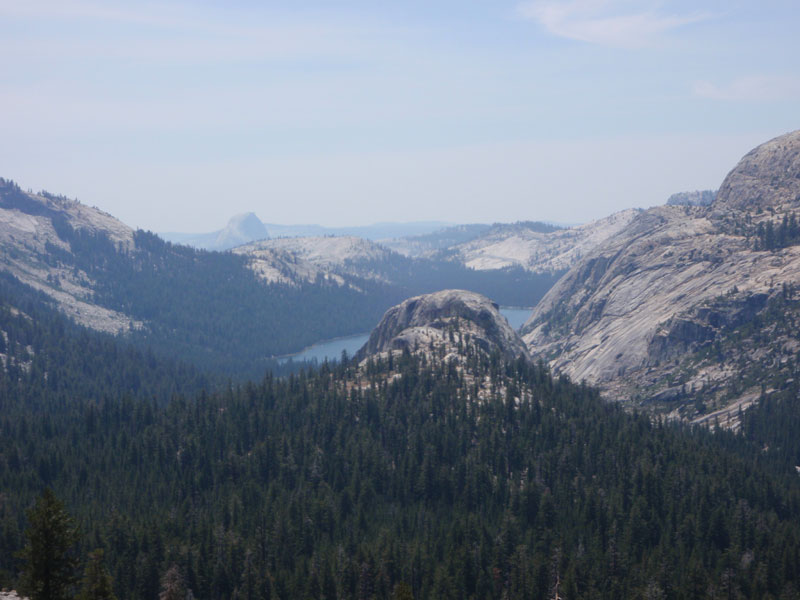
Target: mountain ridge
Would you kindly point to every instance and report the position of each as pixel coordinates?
(636, 315)
(536, 247)
(218, 240)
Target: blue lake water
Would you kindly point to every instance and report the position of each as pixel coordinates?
(332, 349)
(516, 317)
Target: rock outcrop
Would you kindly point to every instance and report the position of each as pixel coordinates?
(638, 315)
(446, 322)
(696, 198)
(767, 178)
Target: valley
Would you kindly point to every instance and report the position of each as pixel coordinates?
(632, 302)
(231, 312)
(632, 435)
(399, 300)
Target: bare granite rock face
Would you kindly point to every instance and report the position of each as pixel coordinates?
(633, 314)
(446, 321)
(298, 259)
(768, 177)
(536, 251)
(695, 198)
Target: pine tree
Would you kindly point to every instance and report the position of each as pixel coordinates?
(49, 570)
(172, 585)
(96, 583)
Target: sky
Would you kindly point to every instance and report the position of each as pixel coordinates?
(174, 116)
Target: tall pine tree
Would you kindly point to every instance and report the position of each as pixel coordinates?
(96, 584)
(49, 572)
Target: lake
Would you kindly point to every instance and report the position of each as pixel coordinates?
(516, 316)
(332, 349)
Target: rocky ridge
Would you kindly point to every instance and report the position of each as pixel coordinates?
(291, 260)
(637, 315)
(521, 245)
(430, 244)
(445, 322)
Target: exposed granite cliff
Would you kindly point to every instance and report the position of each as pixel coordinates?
(639, 313)
(767, 178)
(446, 322)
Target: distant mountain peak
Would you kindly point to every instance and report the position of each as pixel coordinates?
(241, 229)
(249, 224)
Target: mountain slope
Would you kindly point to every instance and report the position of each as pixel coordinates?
(638, 314)
(429, 243)
(32, 228)
(45, 359)
(536, 247)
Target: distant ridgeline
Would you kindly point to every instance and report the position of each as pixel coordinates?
(401, 479)
(210, 308)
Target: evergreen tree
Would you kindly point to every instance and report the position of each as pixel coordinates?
(402, 591)
(172, 585)
(96, 583)
(49, 571)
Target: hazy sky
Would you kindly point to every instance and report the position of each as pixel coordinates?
(177, 115)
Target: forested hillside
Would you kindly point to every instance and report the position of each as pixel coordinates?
(410, 477)
(48, 361)
(210, 309)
